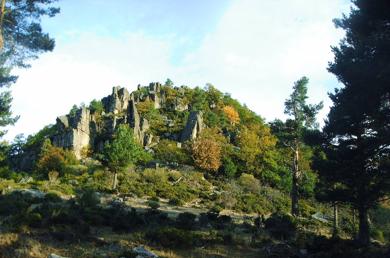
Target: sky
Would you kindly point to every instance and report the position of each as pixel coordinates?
(253, 49)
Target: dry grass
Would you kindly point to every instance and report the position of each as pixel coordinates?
(36, 245)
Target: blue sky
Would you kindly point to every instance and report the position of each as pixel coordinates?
(253, 49)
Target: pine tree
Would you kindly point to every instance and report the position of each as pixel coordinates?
(358, 126)
(122, 151)
(21, 39)
(303, 117)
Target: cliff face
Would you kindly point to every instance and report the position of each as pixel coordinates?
(90, 129)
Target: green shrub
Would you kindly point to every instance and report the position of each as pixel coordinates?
(172, 238)
(96, 106)
(186, 220)
(33, 219)
(155, 175)
(228, 169)
(176, 201)
(377, 234)
(168, 151)
(174, 175)
(251, 203)
(100, 181)
(153, 205)
(249, 183)
(75, 169)
(216, 209)
(281, 225)
(52, 197)
(87, 199)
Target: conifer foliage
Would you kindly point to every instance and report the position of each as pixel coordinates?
(358, 126)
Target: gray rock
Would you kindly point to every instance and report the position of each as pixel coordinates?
(26, 180)
(141, 252)
(117, 102)
(193, 127)
(55, 256)
(32, 192)
(155, 87)
(154, 94)
(74, 132)
(320, 217)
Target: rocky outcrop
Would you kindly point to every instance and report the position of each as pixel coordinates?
(74, 131)
(91, 130)
(193, 127)
(140, 125)
(154, 94)
(117, 102)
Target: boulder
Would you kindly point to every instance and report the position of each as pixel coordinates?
(141, 252)
(55, 256)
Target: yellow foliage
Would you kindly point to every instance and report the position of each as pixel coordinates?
(231, 114)
(254, 142)
(145, 106)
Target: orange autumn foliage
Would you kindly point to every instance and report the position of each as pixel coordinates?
(207, 150)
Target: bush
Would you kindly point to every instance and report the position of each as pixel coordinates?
(87, 199)
(378, 235)
(227, 200)
(52, 197)
(54, 159)
(251, 203)
(153, 205)
(123, 221)
(53, 176)
(96, 106)
(228, 169)
(172, 238)
(176, 201)
(186, 220)
(155, 176)
(168, 151)
(249, 183)
(281, 225)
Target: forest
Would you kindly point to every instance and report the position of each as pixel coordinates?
(180, 171)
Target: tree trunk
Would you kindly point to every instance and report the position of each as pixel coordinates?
(364, 227)
(115, 181)
(294, 188)
(2, 11)
(335, 220)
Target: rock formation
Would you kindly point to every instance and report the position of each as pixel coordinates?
(75, 131)
(193, 127)
(117, 101)
(86, 129)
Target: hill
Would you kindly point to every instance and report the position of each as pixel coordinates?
(183, 171)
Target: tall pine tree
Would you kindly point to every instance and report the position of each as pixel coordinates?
(21, 39)
(358, 126)
(303, 117)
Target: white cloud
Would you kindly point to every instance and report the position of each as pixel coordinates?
(257, 51)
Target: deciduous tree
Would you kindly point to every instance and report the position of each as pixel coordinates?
(207, 150)
(231, 114)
